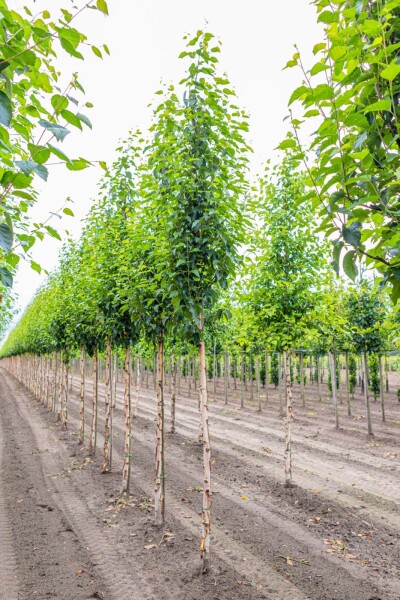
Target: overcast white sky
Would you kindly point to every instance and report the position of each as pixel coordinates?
(145, 39)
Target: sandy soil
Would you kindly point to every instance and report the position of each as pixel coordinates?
(334, 536)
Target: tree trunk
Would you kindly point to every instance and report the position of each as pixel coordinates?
(280, 384)
(159, 488)
(289, 421)
(366, 394)
(387, 374)
(332, 368)
(60, 388)
(303, 399)
(93, 432)
(346, 358)
(137, 388)
(242, 375)
(318, 379)
(114, 379)
(266, 376)
(81, 437)
(382, 393)
(206, 512)
(173, 393)
(258, 384)
(226, 377)
(65, 400)
(126, 469)
(215, 371)
(108, 412)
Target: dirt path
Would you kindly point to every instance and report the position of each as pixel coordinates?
(268, 542)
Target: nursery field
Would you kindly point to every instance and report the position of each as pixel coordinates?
(67, 533)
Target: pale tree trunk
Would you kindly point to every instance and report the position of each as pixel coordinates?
(108, 411)
(339, 379)
(206, 512)
(382, 393)
(242, 381)
(93, 432)
(289, 421)
(65, 403)
(82, 398)
(366, 394)
(226, 377)
(251, 377)
(346, 358)
(173, 393)
(387, 374)
(159, 487)
(189, 378)
(114, 379)
(332, 368)
(280, 384)
(215, 371)
(179, 375)
(317, 364)
(137, 388)
(302, 395)
(258, 383)
(266, 376)
(126, 469)
(60, 388)
(55, 371)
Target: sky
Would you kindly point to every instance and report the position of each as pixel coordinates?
(145, 38)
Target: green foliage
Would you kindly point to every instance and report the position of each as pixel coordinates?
(353, 158)
(366, 314)
(33, 111)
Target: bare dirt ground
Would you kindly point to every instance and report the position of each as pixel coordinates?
(334, 536)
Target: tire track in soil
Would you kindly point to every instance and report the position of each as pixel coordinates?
(353, 584)
(106, 559)
(9, 584)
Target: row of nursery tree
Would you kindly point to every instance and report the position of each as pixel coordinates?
(180, 251)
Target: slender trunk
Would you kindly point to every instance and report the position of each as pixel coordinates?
(93, 432)
(266, 376)
(206, 512)
(318, 379)
(387, 374)
(289, 421)
(366, 394)
(332, 368)
(60, 388)
(215, 371)
(159, 488)
(302, 395)
(179, 375)
(82, 399)
(280, 385)
(346, 358)
(226, 377)
(65, 402)
(126, 469)
(382, 393)
(114, 379)
(258, 384)
(242, 375)
(339, 379)
(108, 411)
(54, 394)
(137, 388)
(251, 377)
(173, 393)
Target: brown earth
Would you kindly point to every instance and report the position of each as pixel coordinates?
(333, 536)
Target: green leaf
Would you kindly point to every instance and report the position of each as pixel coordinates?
(51, 231)
(298, 92)
(289, 143)
(77, 164)
(36, 267)
(6, 277)
(5, 109)
(377, 106)
(97, 52)
(6, 237)
(328, 17)
(84, 119)
(59, 132)
(59, 153)
(391, 71)
(349, 266)
(27, 166)
(68, 211)
(102, 6)
(352, 234)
